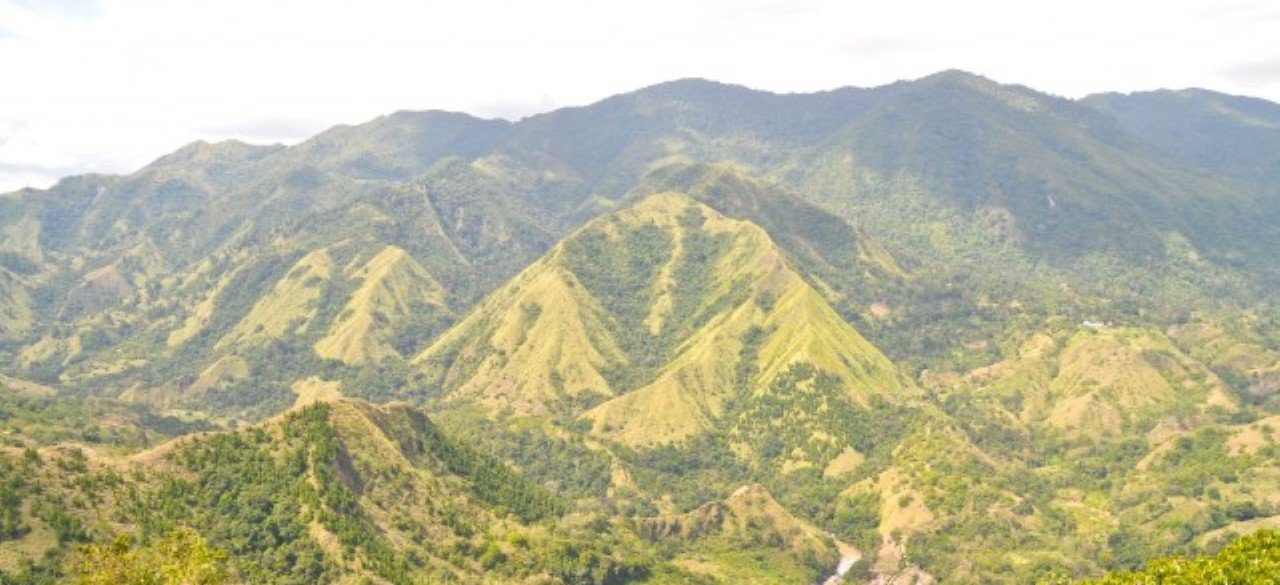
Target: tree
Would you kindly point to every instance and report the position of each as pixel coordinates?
(180, 558)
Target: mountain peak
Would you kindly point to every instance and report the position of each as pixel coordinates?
(955, 74)
(675, 210)
(667, 314)
(1018, 98)
(667, 205)
(958, 76)
(695, 87)
(203, 153)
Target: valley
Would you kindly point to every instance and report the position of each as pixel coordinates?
(943, 330)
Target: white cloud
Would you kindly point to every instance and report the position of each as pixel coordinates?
(116, 83)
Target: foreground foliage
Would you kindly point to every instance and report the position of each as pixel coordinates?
(1252, 559)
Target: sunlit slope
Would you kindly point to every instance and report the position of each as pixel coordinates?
(15, 305)
(746, 537)
(393, 286)
(290, 305)
(536, 339)
(1103, 383)
(664, 312)
(771, 319)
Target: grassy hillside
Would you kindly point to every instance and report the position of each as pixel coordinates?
(659, 318)
(291, 304)
(393, 288)
(15, 305)
(1103, 382)
(890, 201)
(721, 540)
(976, 332)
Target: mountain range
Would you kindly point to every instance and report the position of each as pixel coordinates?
(940, 330)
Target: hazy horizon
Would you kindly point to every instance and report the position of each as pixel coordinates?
(109, 85)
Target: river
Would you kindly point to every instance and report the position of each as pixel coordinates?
(848, 556)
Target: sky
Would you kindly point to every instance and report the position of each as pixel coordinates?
(109, 85)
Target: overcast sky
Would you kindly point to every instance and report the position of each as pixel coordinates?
(108, 85)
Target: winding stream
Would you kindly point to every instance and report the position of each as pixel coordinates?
(848, 556)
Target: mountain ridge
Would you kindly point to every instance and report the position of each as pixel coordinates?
(978, 332)
(770, 316)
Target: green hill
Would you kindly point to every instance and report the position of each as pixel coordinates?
(345, 491)
(1103, 382)
(331, 492)
(290, 306)
(393, 288)
(1234, 135)
(719, 540)
(661, 315)
(976, 332)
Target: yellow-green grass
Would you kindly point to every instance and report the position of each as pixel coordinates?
(746, 538)
(1107, 379)
(289, 307)
(200, 315)
(691, 391)
(1097, 384)
(544, 336)
(315, 389)
(540, 336)
(392, 286)
(25, 387)
(16, 316)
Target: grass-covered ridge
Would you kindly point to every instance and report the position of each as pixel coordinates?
(972, 330)
(393, 288)
(663, 314)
